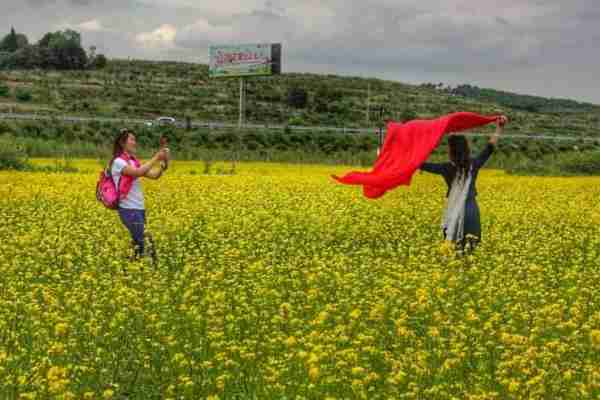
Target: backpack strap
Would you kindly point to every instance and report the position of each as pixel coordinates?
(117, 186)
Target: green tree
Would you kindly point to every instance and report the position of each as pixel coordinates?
(4, 90)
(408, 115)
(10, 43)
(22, 41)
(100, 61)
(58, 37)
(23, 94)
(65, 51)
(28, 57)
(45, 40)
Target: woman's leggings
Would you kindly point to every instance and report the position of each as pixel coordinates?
(134, 221)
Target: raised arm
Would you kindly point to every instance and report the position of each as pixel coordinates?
(156, 173)
(499, 130)
(435, 168)
(485, 155)
(143, 170)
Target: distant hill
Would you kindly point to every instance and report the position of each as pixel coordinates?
(524, 102)
(150, 89)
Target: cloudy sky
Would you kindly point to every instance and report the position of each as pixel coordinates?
(543, 47)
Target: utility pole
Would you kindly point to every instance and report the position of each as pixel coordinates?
(381, 123)
(368, 104)
(241, 116)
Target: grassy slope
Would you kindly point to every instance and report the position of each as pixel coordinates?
(151, 89)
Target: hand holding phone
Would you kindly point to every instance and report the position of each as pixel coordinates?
(163, 146)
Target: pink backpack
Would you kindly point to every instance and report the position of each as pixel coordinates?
(106, 191)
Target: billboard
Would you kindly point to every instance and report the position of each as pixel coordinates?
(244, 60)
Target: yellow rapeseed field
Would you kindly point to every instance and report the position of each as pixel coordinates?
(277, 283)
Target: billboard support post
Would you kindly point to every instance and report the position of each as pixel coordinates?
(240, 125)
(241, 116)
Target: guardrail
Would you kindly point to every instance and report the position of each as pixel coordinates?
(224, 125)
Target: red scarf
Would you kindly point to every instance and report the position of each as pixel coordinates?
(126, 181)
(406, 147)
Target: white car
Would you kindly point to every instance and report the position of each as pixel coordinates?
(165, 121)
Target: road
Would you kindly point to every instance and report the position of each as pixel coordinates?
(222, 125)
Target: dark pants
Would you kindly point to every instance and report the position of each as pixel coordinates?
(134, 221)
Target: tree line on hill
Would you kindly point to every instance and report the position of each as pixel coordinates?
(60, 50)
(515, 101)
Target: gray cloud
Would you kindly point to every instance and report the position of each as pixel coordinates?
(528, 46)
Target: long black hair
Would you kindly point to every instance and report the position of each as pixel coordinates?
(459, 154)
(119, 144)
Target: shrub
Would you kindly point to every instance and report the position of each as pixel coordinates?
(582, 163)
(23, 94)
(12, 155)
(565, 164)
(4, 90)
(100, 61)
(295, 121)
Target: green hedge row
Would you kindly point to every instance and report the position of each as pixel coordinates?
(104, 133)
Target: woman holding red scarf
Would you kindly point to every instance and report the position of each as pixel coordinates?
(461, 222)
(126, 172)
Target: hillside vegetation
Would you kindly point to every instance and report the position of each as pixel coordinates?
(143, 89)
(151, 89)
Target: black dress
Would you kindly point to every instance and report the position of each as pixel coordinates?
(472, 223)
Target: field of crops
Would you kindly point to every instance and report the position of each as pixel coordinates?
(277, 283)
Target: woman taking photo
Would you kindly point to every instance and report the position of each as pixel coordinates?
(126, 172)
(461, 222)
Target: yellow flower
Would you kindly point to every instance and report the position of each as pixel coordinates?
(321, 318)
(57, 349)
(447, 248)
(595, 338)
(284, 310)
(277, 267)
(68, 396)
(513, 386)
(472, 316)
(61, 329)
(186, 381)
(313, 373)
(434, 332)
(568, 375)
(312, 358)
(221, 382)
(57, 379)
(397, 378)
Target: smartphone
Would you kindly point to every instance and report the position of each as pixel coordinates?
(163, 144)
